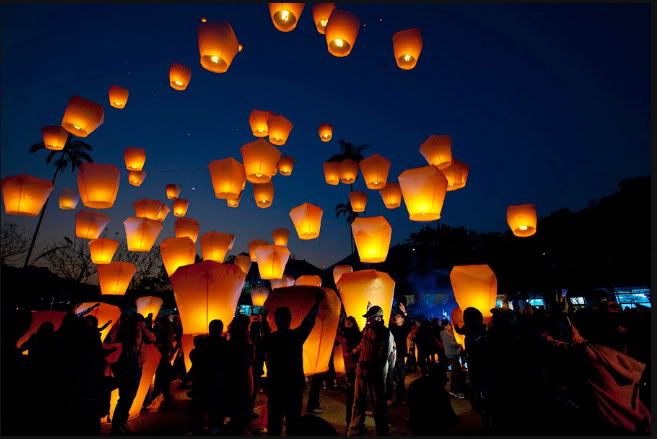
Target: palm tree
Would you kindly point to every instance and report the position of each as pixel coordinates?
(344, 209)
(73, 154)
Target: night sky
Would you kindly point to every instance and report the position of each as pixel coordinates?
(546, 104)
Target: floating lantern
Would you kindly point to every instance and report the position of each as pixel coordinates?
(98, 185)
(244, 262)
(457, 320)
(89, 225)
(318, 346)
(179, 76)
(437, 150)
(285, 15)
(372, 236)
(115, 277)
(68, 199)
(424, 191)
(258, 122)
(151, 357)
(280, 236)
(309, 280)
(141, 233)
(348, 170)
(136, 178)
(456, 175)
(285, 281)
(522, 219)
(54, 137)
(332, 173)
(234, 202)
(341, 32)
(325, 132)
(375, 169)
(272, 260)
(173, 191)
(149, 305)
(391, 195)
(134, 158)
(102, 250)
(104, 313)
(407, 47)
(474, 286)
(118, 96)
(339, 270)
(163, 213)
(263, 194)
(217, 46)
(228, 178)
(338, 360)
(364, 288)
(321, 14)
(177, 252)
(285, 165)
(82, 116)
(358, 201)
(260, 159)
(186, 227)
(252, 248)
(180, 206)
(307, 219)
(259, 295)
(215, 245)
(24, 194)
(279, 129)
(151, 209)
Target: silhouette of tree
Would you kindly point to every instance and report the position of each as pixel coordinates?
(70, 259)
(14, 243)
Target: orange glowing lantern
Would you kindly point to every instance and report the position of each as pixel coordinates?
(272, 260)
(285, 16)
(38, 319)
(115, 277)
(285, 281)
(372, 236)
(321, 14)
(474, 286)
(179, 76)
(364, 288)
(437, 150)
(341, 32)
(375, 169)
(234, 202)
(134, 158)
(118, 96)
(424, 191)
(98, 185)
(407, 47)
(325, 132)
(102, 250)
(309, 280)
(348, 170)
(253, 245)
(457, 175)
(151, 209)
(149, 305)
(339, 270)
(307, 219)
(68, 199)
(89, 225)
(215, 245)
(54, 137)
(152, 359)
(24, 194)
(141, 233)
(358, 201)
(260, 159)
(82, 116)
(280, 236)
(186, 227)
(104, 313)
(173, 191)
(259, 295)
(177, 252)
(217, 46)
(244, 262)
(332, 173)
(279, 129)
(285, 165)
(457, 320)
(263, 194)
(338, 360)
(228, 178)
(258, 122)
(522, 219)
(163, 213)
(136, 178)
(391, 195)
(180, 206)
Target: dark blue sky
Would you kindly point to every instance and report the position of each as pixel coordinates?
(548, 104)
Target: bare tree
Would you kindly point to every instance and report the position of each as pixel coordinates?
(70, 259)
(13, 243)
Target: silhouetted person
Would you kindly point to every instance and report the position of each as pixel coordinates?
(453, 355)
(258, 331)
(239, 374)
(429, 409)
(216, 378)
(349, 338)
(400, 329)
(169, 349)
(477, 352)
(200, 376)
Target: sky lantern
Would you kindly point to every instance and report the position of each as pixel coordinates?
(54, 137)
(173, 191)
(279, 129)
(24, 194)
(437, 150)
(149, 305)
(456, 318)
(114, 278)
(68, 199)
(358, 201)
(338, 360)
(136, 178)
(260, 159)
(179, 76)
(217, 46)
(457, 175)
(341, 32)
(318, 346)
(325, 132)
(180, 206)
(98, 185)
(332, 173)
(118, 96)
(177, 252)
(263, 194)
(228, 178)
(234, 202)
(339, 270)
(104, 313)
(259, 295)
(285, 165)
(89, 225)
(407, 47)
(252, 248)
(280, 236)
(307, 219)
(163, 212)
(364, 288)
(321, 14)
(309, 280)
(102, 250)
(424, 191)
(372, 236)
(215, 245)
(151, 357)
(285, 281)
(272, 260)
(141, 233)
(82, 116)
(285, 15)
(244, 262)
(522, 219)
(474, 286)
(391, 195)
(348, 170)
(186, 227)
(134, 158)
(258, 122)
(375, 169)
(151, 209)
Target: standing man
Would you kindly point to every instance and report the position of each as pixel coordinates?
(400, 329)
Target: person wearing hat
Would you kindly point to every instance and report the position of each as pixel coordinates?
(374, 350)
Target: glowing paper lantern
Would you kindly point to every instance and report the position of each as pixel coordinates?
(136, 178)
(234, 202)
(332, 173)
(134, 158)
(215, 245)
(318, 346)
(115, 277)
(89, 225)
(321, 14)
(272, 260)
(341, 32)
(325, 132)
(285, 281)
(177, 252)
(186, 227)
(424, 191)
(24, 194)
(307, 219)
(163, 213)
(360, 289)
(456, 318)
(375, 169)
(391, 195)
(263, 194)
(338, 360)
(152, 359)
(372, 236)
(437, 150)
(141, 233)
(285, 165)
(244, 262)
(309, 280)
(474, 286)
(358, 201)
(179, 76)
(407, 47)
(258, 122)
(260, 159)
(98, 185)
(173, 191)
(252, 248)
(151, 209)
(456, 175)
(339, 270)
(180, 206)
(217, 46)
(228, 178)
(102, 250)
(348, 170)
(68, 199)
(82, 116)
(259, 295)
(104, 313)
(38, 319)
(54, 137)
(118, 96)
(522, 219)
(149, 305)
(280, 236)
(279, 129)
(285, 15)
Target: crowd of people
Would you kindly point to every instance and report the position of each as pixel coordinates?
(524, 370)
